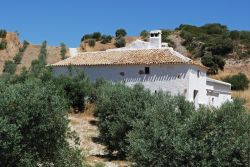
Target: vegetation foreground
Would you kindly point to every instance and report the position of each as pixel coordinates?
(147, 129)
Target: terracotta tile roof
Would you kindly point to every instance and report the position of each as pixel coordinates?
(124, 57)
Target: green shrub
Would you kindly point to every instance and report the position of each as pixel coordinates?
(120, 42)
(63, 51)
(3, 33)
(18, 57)
(144, 35)
(120, 33)
(9, 67)
(97, 36)
(165, 137)
(76, 89)
(220, 46)
(238, 81)
(91, 42)
(3, 45)
(106, 39)
(43, 53)
(34, 126)
(215, 28)
(117, 107)
(214, 62)
(86, 37)
(234, 35)
(213, 37)
(25, 45)
(165, 34)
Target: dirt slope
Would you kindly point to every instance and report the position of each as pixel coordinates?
(85, 126)
(13, 45)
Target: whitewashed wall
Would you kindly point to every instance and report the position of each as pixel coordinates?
(170, 78)
(218, 93)
(197, 83)
(175, 79)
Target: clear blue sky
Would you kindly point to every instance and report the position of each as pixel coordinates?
(67, 20)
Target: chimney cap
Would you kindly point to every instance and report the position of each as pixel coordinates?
(155, 31)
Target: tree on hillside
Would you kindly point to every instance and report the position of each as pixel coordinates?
(106, 39)
(214, 62)
(120, 42)
(97, 36)
(120, 33)
(91, 42)
(3, 44)
(38, 65)
(63, 51)
(3, 33)
(43, 53)
(144, 35)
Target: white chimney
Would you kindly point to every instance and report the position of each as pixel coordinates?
(155, 39)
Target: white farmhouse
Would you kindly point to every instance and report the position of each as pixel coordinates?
(154, 65)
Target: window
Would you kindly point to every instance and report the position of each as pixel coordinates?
(147, 70)
(198, 73)
(195, 95)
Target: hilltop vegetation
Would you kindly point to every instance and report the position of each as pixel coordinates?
(214, 42)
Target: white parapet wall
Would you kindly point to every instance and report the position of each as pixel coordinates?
(73, 52)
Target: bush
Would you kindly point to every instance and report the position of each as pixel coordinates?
(86, 37)
(18, 57)
(117, 107)
(76, 90)
(3, 45)
(63, 51)
(144, 35)
(120, 42)
(34, 126)
(198, 138)
(106, 39)
(220, 46)
(9, 67)
(25, 45)
(215, 28)
(97, 36)
(165, 34)
(214, 62)
(43, 53)
(238, 81)
(120, 33)
(3, 33)
(91, 42)
(234, 35)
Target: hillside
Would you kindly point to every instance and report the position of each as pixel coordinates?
(13, 45)
(31, 53)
